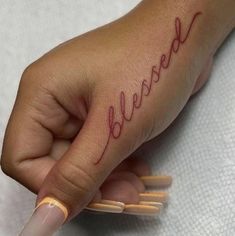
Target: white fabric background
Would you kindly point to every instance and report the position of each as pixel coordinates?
(198, 150)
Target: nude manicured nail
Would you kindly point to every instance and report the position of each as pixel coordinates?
(136, 209)
(48, 216)
(154, 196)
(156, 204)
(156, 181)
(101, 207)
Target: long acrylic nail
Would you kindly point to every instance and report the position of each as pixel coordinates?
(48, 216)
(136, 209)
(156, 181)
(114, 203)
(156, 204)
(154, 196)
(101, 207)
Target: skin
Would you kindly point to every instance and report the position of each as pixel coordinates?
(57, 133)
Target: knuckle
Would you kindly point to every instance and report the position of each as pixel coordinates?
(79, 181)
(8, 166)
(30, 73)
(4, 166)
(12, 163)
(36, 74)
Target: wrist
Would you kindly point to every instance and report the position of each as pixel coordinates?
(151, 19)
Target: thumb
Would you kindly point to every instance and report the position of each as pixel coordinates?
(75, 178)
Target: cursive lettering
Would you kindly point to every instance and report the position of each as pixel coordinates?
(115, 127)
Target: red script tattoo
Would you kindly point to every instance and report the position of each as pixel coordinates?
(115, 127)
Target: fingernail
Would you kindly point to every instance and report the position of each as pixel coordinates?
(156, 204)
(137, 209)
(154, 196)
(156, 181)
(101, 207)
(114, 203)
(48, 216)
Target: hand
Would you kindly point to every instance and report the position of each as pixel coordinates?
(95, 99)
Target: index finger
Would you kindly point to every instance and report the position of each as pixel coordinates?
(34, 122)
